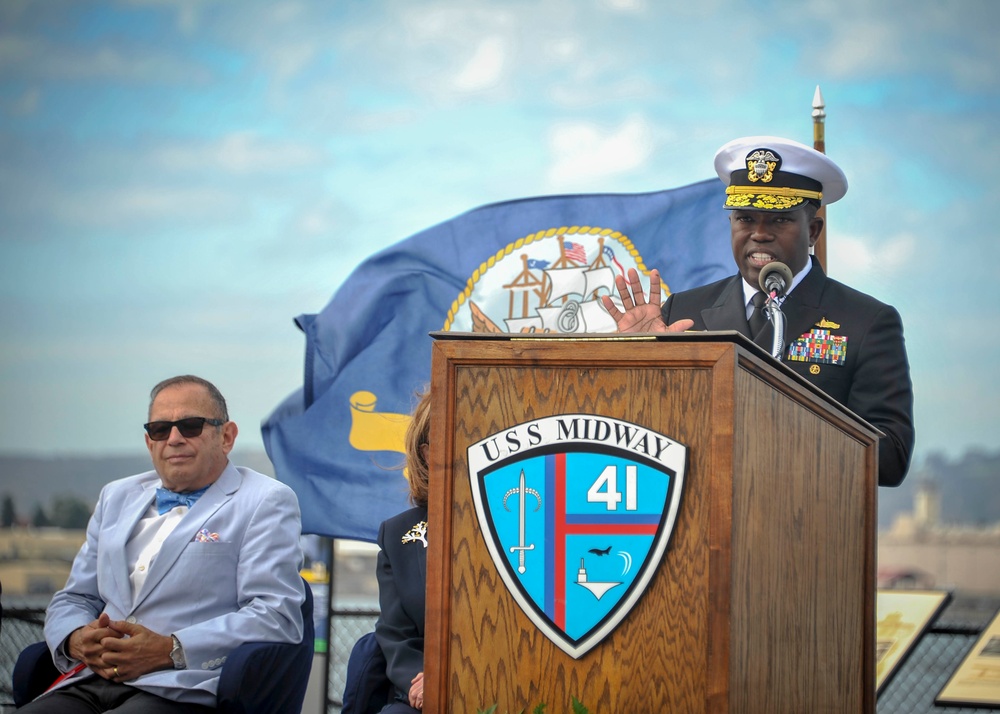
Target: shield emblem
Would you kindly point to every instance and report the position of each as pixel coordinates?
(577, 511)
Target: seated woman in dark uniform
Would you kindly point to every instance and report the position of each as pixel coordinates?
(402, 576)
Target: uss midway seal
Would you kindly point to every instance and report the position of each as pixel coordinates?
(577, 511)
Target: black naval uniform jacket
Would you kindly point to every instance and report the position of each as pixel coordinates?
(874, 379)
(402, 583)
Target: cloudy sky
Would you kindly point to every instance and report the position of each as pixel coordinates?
(180, 178)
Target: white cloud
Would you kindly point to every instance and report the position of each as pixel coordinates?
(563, 49)
(860, 261)
(625, 5)
(485, 68)
(445, 49)
(239, 153)
(870, 41)
(858, 47)
(189, 12)
(159, 186)
(289, 59)
(30, 57)
(130, 206)
(583, 152)
(317, 222)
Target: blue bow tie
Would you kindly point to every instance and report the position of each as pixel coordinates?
(167, 500)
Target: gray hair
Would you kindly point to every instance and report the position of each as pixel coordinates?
(213, 392)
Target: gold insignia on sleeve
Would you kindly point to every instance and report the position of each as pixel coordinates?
(827, 325)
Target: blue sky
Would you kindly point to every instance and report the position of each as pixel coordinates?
(180, 178)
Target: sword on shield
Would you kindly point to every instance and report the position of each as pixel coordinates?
(522, 491)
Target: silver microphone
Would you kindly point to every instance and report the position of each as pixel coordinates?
(775, 278)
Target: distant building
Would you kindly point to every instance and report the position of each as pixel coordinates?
(36, 561)
(919, 551)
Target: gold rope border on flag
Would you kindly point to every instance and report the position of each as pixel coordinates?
(540, 235)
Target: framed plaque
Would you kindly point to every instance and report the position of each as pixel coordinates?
(902, 618)
(976, 682)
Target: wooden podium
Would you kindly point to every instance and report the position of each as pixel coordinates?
(764, 600)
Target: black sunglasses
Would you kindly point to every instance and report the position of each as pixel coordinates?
(189, 428)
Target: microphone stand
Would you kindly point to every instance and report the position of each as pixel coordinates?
(777, 318)
(774, 279)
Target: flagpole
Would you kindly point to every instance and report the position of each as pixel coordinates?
(819, 143)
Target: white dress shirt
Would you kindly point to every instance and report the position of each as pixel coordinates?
(146, 540)
(750, 290)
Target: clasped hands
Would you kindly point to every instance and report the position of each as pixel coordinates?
(640, 314)
(119, 651)
(416, 693)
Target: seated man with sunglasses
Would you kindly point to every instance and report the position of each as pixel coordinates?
(181, 565)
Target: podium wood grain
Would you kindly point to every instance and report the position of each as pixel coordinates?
(764, 600)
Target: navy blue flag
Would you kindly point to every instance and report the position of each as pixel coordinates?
(526, 265)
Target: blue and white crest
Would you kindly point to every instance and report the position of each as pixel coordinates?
(577, 511)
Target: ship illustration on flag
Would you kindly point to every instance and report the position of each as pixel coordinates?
(550, 281)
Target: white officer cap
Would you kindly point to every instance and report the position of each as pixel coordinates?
(768, 173)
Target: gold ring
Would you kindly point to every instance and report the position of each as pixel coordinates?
(116, 671)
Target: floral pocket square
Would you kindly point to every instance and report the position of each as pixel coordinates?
(206, 536)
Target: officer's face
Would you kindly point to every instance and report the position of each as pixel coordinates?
(762, 237)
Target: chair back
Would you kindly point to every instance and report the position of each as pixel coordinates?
(368, 688)
(267, 677)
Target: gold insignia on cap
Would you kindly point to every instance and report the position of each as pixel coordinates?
(761, 165)
(826, 324)
(763, 198)
(814, 369)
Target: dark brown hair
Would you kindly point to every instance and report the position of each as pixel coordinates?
(417, 436)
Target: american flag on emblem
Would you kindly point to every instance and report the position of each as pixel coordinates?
(575, 252)
(611, 256)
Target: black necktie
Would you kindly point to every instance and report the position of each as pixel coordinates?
(757, 319)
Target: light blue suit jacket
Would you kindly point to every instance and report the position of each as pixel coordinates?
(213, 596)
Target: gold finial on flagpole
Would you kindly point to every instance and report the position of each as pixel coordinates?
(819, 115)
(819, 143)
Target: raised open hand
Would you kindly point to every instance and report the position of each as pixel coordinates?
(640, 314)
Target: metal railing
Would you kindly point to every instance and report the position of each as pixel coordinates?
(19, 628)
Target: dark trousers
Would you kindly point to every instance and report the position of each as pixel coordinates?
(96, 695)
(399, 708)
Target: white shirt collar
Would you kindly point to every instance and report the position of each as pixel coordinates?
(750, 290)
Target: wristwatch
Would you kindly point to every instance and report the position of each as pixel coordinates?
(177, 654)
